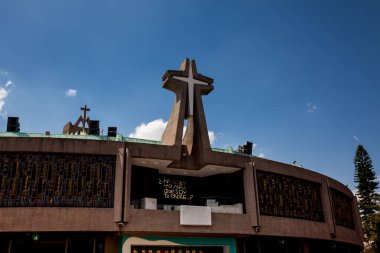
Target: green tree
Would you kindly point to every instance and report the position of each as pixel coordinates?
(368, 199)
(373, 222)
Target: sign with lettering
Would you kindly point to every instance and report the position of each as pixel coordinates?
(174, 188)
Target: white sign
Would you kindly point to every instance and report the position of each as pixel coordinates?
(195, 215)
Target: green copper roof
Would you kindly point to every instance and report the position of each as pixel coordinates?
(119, 138)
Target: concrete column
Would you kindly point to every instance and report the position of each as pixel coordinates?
(174, 129)
(328, 211)
(118, 190)
(251, 195)
(127, 184)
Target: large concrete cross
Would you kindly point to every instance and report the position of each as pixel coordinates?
(190, 88)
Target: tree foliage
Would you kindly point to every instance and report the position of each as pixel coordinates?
(365, 178)
(368, 198)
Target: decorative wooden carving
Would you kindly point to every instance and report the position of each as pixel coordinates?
(51, 180)
(286, 196)
(342, 206)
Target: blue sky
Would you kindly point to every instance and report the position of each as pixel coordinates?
(301, 79)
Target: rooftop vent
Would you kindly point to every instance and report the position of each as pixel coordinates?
(13, 125)
(246, 148)
(93, 127)
(112, 131)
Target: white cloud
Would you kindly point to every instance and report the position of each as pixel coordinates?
(71, 93)
(262, 155)
(8, 83)
(151, 131)
(154, 130)
(211, 136)
(311, 108)
(356, 138)
(4, 92)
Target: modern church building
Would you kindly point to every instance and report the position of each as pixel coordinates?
(89, 193)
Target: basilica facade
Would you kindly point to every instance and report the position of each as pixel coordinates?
(81, 191)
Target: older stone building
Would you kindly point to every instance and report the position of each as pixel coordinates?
(84, 192)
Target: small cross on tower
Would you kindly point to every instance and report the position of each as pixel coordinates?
(75, 128)
(85, 109)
